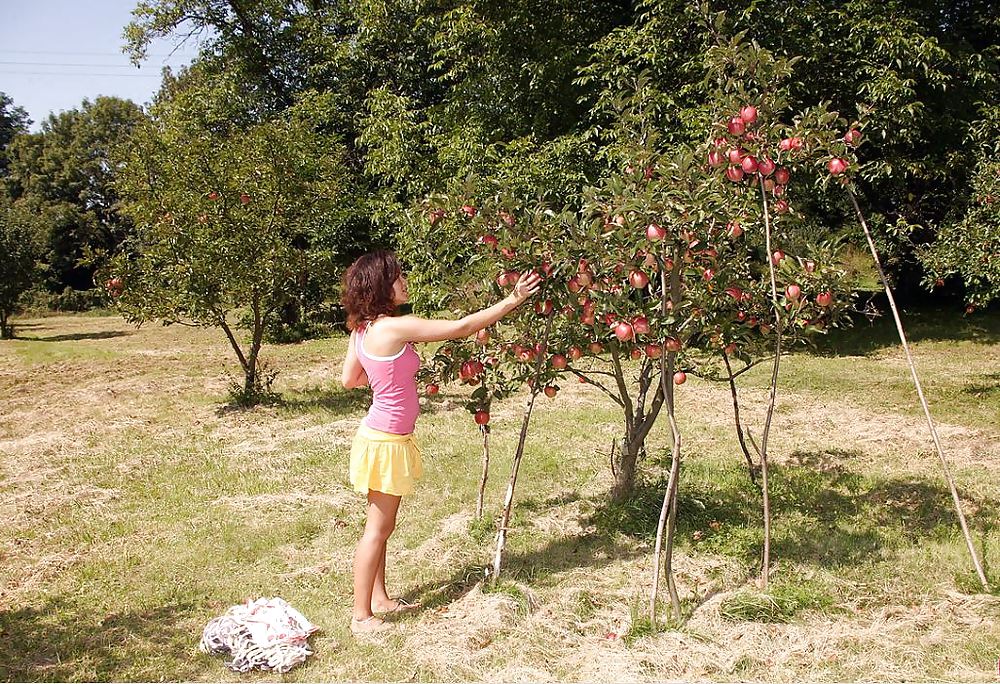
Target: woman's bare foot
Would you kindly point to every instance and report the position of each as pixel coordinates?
(370, 625)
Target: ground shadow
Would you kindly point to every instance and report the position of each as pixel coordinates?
(824, 513)
(335, 401)
(985, 390)
(921, 324)
(62, 640)
(527, 562)
(105, 335)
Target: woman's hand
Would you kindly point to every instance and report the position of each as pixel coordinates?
(526, 286)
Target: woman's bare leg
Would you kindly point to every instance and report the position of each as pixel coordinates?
(369, 558)
(381, 601)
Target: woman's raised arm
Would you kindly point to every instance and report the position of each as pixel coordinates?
(416, 329)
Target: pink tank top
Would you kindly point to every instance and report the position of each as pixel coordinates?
(393, 380)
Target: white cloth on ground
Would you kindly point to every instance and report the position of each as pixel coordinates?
(267, 634)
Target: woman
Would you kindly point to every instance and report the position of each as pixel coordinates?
(385, 460)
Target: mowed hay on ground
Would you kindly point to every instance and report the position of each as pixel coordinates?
(137, 507)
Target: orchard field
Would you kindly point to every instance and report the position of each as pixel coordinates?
(137, 506)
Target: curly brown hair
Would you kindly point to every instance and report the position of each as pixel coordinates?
(367, 290)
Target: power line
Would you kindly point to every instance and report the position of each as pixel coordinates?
(69, 64)
(78, 54)
(75, 73)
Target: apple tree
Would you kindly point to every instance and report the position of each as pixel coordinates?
(225, 203)
(967, 246)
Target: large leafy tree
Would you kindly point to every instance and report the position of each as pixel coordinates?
(915, 75)
(230, 210)
(13, 121)
(17, 260)
(65, 174)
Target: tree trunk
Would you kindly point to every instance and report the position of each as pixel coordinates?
(669, 507)
(751, 467)
(765, 569)
(252, 383)
(5, 332)
(486, 470)
(502, 527)
(923, 400)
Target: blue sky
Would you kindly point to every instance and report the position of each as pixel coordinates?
(55, 53)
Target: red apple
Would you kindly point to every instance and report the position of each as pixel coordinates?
(481, 417)
(708, 274)
(641, 325)
(483, 337)
(638, 280)
(766, 166)
(777, 257)
(435, 216)
(734, 173)
(781, 206)
(734, 229)
(595, 347)
(506, 218)
(836, 166)
(431, 389)
(559, 362)
(810, 266)
(790, 144)
(715, 159)
(469, 210)
(737, 126)
(550, 391)
(748, 114)
(624, 331)
(680, 377)
(244, 198)
(793, 291)
(749, 164)
(213, 195)
(635, 354)
(852, 137)
(543, 308)
(574, 353)
(655, 232)
(672, 344)
(781, 176)
(735, 155)
(824, 299)
(653, 351)
(470, 369)
(734, 292)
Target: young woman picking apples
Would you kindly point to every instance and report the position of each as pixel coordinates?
(385, 459)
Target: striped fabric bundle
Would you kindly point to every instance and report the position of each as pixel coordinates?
(266, 634)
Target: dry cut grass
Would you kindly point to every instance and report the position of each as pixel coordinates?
(137, 507)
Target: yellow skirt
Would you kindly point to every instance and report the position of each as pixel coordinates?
(384, 462)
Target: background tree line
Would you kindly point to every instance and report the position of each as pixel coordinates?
(380, 104)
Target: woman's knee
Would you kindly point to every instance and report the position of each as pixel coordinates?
(379, 531)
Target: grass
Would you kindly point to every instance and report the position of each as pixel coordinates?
(137, 507)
